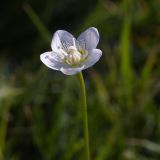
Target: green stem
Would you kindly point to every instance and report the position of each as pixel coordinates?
(85, 117)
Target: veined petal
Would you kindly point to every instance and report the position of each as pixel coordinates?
(92, 58)
(71, 71)
(50, 60)
(61, 39)
(89, 39)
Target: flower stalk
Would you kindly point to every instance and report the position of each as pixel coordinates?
(85, 116)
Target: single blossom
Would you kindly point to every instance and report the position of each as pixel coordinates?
(70, 55)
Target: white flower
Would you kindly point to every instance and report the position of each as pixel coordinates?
(70, 55)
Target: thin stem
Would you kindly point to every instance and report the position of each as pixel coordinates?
(85, 117)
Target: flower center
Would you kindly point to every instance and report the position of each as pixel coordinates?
(74, 56)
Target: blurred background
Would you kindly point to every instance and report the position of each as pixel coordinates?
(40, 109)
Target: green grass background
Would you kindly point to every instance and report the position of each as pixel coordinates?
(40, 109)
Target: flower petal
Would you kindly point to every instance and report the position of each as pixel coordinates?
(92, 58)
(71, 71)
(49, 59)
(61, 39)
(89, 39)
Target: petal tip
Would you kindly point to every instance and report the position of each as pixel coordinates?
(49, 61)
(42, 57)
(95, 30)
